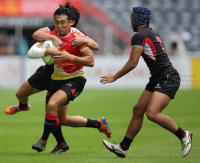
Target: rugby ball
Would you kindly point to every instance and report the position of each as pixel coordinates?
(49, 58)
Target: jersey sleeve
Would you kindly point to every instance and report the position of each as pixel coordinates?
(84, 33)
(137, 39)
(50, 27)
(79, 33)
(82, 48)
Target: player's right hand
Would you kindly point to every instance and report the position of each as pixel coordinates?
(107, 79)
(51, 51)
(57, 42)
(78, 41)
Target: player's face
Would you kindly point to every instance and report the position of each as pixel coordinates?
(62, 25)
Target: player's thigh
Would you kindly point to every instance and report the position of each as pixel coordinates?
(26, 90)
(141, 106)
(158, 102)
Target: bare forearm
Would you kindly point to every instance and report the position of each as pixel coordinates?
(126, 69)
(41, 36)
(92, 44)
(85, 61)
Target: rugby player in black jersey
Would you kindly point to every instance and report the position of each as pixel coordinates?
(162, 87)
(40, 81)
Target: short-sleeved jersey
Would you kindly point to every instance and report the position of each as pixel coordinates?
(49, 68)
(69, 69)
(154, 52)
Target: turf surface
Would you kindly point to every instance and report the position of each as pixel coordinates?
(152, 145)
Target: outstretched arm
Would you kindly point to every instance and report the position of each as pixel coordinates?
(130, 65)
(78, 41)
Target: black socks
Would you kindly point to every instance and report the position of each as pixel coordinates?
(48, 126)
(52, 124)
(125, 144)
(22, 106)
(180, 133)
(93, 123)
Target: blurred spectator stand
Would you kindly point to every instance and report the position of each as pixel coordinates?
(5, 46)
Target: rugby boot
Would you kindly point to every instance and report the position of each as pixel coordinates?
(104, 127)
(186, 143)
(15, 108)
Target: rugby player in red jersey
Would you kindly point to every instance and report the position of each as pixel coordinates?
(40, 80)
(67, 80)
(162, 87)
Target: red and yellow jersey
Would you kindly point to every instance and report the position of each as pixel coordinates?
(69, 69)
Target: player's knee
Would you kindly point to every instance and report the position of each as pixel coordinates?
(150, 115)
(52, 107)
(138, 110)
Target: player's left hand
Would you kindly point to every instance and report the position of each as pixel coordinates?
(107, 79)
(78, 41)
(51, 51)
(62, 56)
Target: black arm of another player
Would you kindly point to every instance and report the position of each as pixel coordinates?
(130, 65)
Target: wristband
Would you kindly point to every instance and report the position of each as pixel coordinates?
(72, 58)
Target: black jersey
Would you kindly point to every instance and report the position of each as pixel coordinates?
(154, 52)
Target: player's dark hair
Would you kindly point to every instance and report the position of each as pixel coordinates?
(74, 10)
(69, 10)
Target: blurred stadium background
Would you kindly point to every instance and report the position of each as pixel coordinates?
(108, 23)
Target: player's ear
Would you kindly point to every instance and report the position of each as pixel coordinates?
(72, 22)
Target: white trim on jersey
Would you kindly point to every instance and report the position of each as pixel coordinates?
(67, 35)
(137, 45)
(147, 50)
(84, 49)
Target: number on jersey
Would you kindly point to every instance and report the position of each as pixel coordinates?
(161, 44)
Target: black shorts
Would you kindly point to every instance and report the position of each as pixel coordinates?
(167, 84)
(41, 78)
(72, 87)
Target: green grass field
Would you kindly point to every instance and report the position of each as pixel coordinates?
(152, 145)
